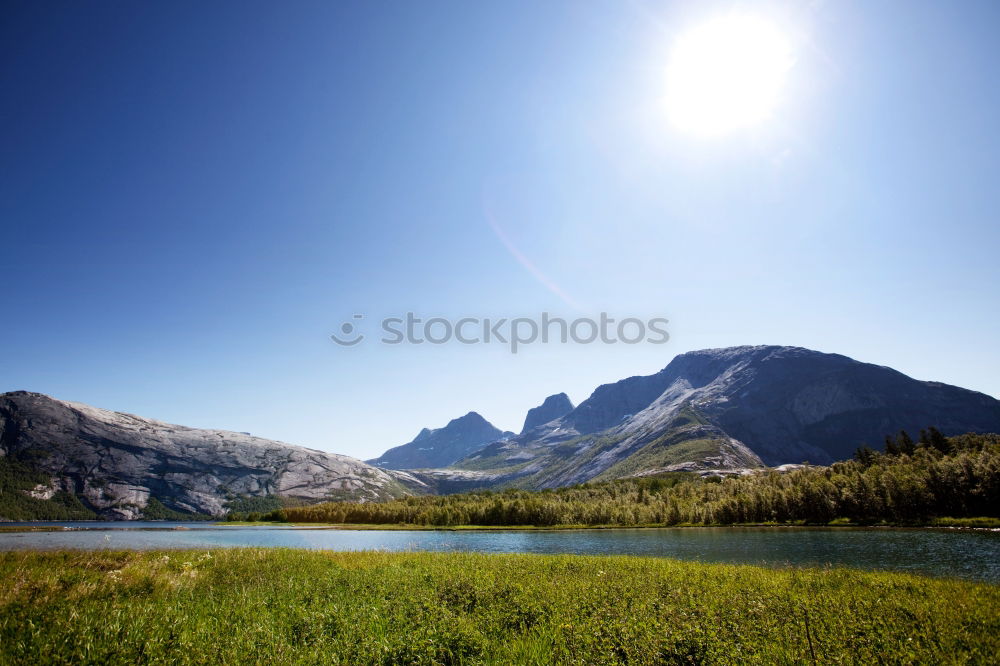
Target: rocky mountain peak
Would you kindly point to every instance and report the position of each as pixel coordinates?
(440, 447)
(553, 407)
(470, 419)
(735, 406)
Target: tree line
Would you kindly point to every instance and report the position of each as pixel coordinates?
(911, 481)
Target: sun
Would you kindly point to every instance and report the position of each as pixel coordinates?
(726, 74)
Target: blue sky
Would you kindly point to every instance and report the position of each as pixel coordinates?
(193, 197)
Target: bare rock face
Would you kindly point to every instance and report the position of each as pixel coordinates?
(554, 407)
(442, 446)
(115, 463)
(733, 408)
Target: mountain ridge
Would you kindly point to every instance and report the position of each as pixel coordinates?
(744, 406)
(116, 464)
(440, 447)
(708, 411)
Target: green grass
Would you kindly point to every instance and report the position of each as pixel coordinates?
(981, 522)
(288, 607)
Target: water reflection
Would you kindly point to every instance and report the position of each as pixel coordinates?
(973, 555)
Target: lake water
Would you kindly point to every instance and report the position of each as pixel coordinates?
(969, 554)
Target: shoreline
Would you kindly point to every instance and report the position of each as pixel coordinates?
(978, 524)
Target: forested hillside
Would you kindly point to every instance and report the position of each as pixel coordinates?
(911, 482)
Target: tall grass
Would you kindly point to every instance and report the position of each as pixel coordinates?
(286, 607)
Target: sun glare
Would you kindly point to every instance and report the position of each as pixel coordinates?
(726, 74)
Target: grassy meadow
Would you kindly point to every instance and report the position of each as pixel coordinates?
(290, 606)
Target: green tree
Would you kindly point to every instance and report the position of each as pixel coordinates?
(865, 455)
(905, 443)
(938, 440)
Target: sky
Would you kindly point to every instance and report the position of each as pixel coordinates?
(195, 196)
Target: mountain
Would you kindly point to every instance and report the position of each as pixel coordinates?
(552, 408)
(442, 446)
(731, 408)
(707, 411)
(121, 466)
